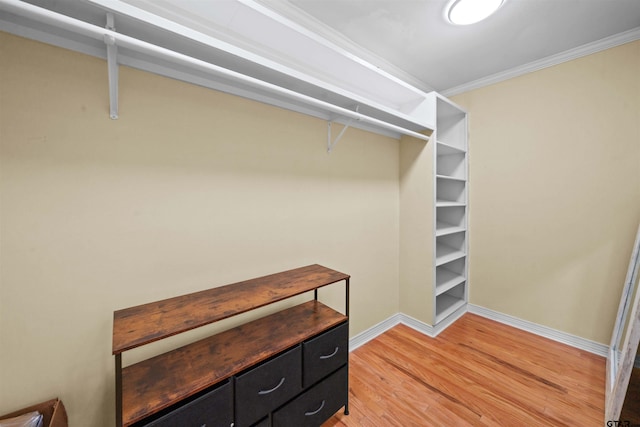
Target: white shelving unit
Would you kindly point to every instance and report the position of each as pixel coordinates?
(451, 210)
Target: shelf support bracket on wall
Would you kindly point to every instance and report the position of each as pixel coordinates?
(331, 144)
(112, 67)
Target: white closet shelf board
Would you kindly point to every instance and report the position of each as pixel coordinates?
(445, 149)
(448, 203)
(445, 254)
(443, 228)
(447, 280)
(451, 178)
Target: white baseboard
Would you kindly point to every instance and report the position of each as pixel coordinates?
(543, 331)
(369, 334)
(525, 325)
(432, 331)
(418, 325)
(378, 329)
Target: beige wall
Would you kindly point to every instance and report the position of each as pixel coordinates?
(416, 229)
(555, 191)
(189, 189)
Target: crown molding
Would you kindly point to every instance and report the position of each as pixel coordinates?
(550, 61)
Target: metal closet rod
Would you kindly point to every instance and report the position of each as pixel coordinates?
(65, 22)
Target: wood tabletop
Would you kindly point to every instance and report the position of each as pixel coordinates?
(143, 324)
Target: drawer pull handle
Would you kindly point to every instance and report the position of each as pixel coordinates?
(308, 414)
(262, 392)
(329, 356)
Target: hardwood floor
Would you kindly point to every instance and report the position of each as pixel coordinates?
(477, 372)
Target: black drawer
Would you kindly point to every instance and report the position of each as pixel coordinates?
(264, 388)
(213, 409)
(324, 354)
(316, 405)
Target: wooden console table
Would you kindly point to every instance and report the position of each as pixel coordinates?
(288, 367)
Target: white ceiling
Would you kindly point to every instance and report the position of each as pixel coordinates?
(411, 39)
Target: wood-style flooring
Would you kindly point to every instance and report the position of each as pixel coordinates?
(476, 373)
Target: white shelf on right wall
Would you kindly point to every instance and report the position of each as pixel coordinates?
(451, 210)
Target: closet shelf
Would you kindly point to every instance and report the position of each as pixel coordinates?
(249, 76)
(445, 149)
(451, 178)
(443, 228)
(446, 280)
(446, 305)
(448, 203)
(445, 254)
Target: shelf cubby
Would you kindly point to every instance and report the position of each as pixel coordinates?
(450, 191)
(451, 124)
(450, 301)
(443, 228)
(450, 275)
(451, 165)
(450, 247)
(445, 149)
(449, 220)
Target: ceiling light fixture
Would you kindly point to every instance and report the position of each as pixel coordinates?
(465, 12)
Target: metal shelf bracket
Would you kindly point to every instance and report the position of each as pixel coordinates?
(112, 67)
(332, 144)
